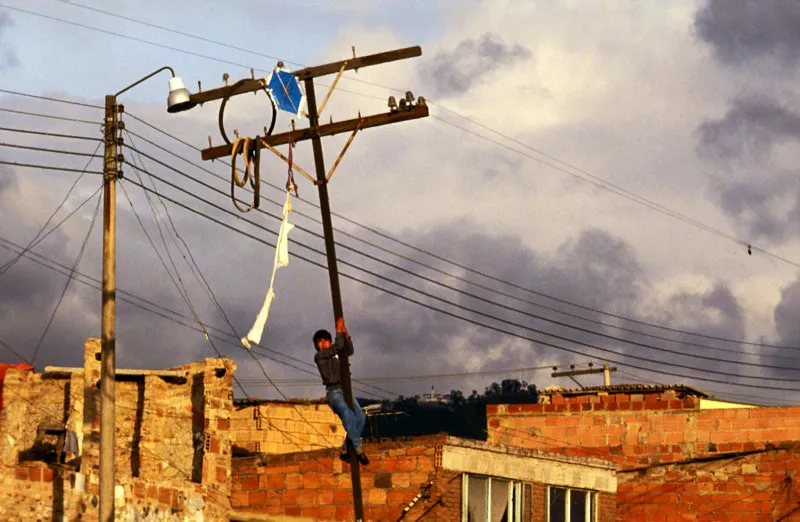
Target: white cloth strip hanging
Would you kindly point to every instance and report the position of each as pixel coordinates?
(281, 260)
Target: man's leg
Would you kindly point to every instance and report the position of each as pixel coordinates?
(348, 416)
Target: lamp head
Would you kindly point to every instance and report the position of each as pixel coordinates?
(179, 98)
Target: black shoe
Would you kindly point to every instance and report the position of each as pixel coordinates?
(362, 457)
(344, 456)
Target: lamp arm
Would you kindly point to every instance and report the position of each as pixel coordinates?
(166, 67)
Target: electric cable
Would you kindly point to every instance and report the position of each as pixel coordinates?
(4, 268)
(603, 185)
(491, 327)
(52, 134)
(235, 333)
(14, 352)
(95, 283)
(69, 280)
(40, 115)
(158, 309)
(54, 151)
(48, 98)
(483, 274)
(47, 167)
(559, 323)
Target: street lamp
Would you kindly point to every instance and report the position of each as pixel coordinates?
(179, 99)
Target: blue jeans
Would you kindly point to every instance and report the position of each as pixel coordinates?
(353, 419)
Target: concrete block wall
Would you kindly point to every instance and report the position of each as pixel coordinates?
(285, 427)
(673, 460)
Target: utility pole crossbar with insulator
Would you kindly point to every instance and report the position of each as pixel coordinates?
(408, 110)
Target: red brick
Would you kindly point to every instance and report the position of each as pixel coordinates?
(47, 475)
(35, 474)
(249, 482)
(294, 481)
(256, 498)
(276, 481)
(240, 499)
(318, 512)
(344, 513)
(21, 473)
(342, 497)
(223, 424)
(324, 497)
(165, 496)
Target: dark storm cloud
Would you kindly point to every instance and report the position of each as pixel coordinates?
(765, 209)
(762, 199)
(740, 30)
(786, 313)
(28, 296)
(594, 269)
(752, 125)
(455, 72)
(715, 312)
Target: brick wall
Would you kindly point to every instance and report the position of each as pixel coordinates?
(173, 448)
(285, 427)
(673, 459)
(317, 485)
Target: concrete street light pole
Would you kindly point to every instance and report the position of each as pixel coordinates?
(178, 100)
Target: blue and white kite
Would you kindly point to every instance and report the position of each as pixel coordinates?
(285, 90)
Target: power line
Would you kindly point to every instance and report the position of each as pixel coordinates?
(482, 299)
(605, 185)
(236, 344)
(425, 377)
(483, 274)
(52, 134)
(155, 308)
(14, 352)
(494, 328)
(54, 151)
(40, 115)
(47, 167)
(559, 323)
(69, 279)
(215, 300)
(47, 98)
(127, 37)
(34, 241)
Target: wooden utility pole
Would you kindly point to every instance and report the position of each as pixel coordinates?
(314, 132)
(108, 319)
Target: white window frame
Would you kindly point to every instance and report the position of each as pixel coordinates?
(591, 507)
(515, 488)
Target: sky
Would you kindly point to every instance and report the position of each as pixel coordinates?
(597, 182)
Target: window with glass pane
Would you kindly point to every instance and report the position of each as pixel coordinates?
(477, 505)
(571, 505)
(558, 505)
(489, 499)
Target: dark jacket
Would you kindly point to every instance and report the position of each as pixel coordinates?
(328, 361)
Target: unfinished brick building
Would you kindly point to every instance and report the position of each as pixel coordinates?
(172, 445)
(432, 478)
(675, 459)
(272, 427)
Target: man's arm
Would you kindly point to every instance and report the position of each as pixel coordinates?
(343, 341)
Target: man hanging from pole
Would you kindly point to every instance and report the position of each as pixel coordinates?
(327, 359)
